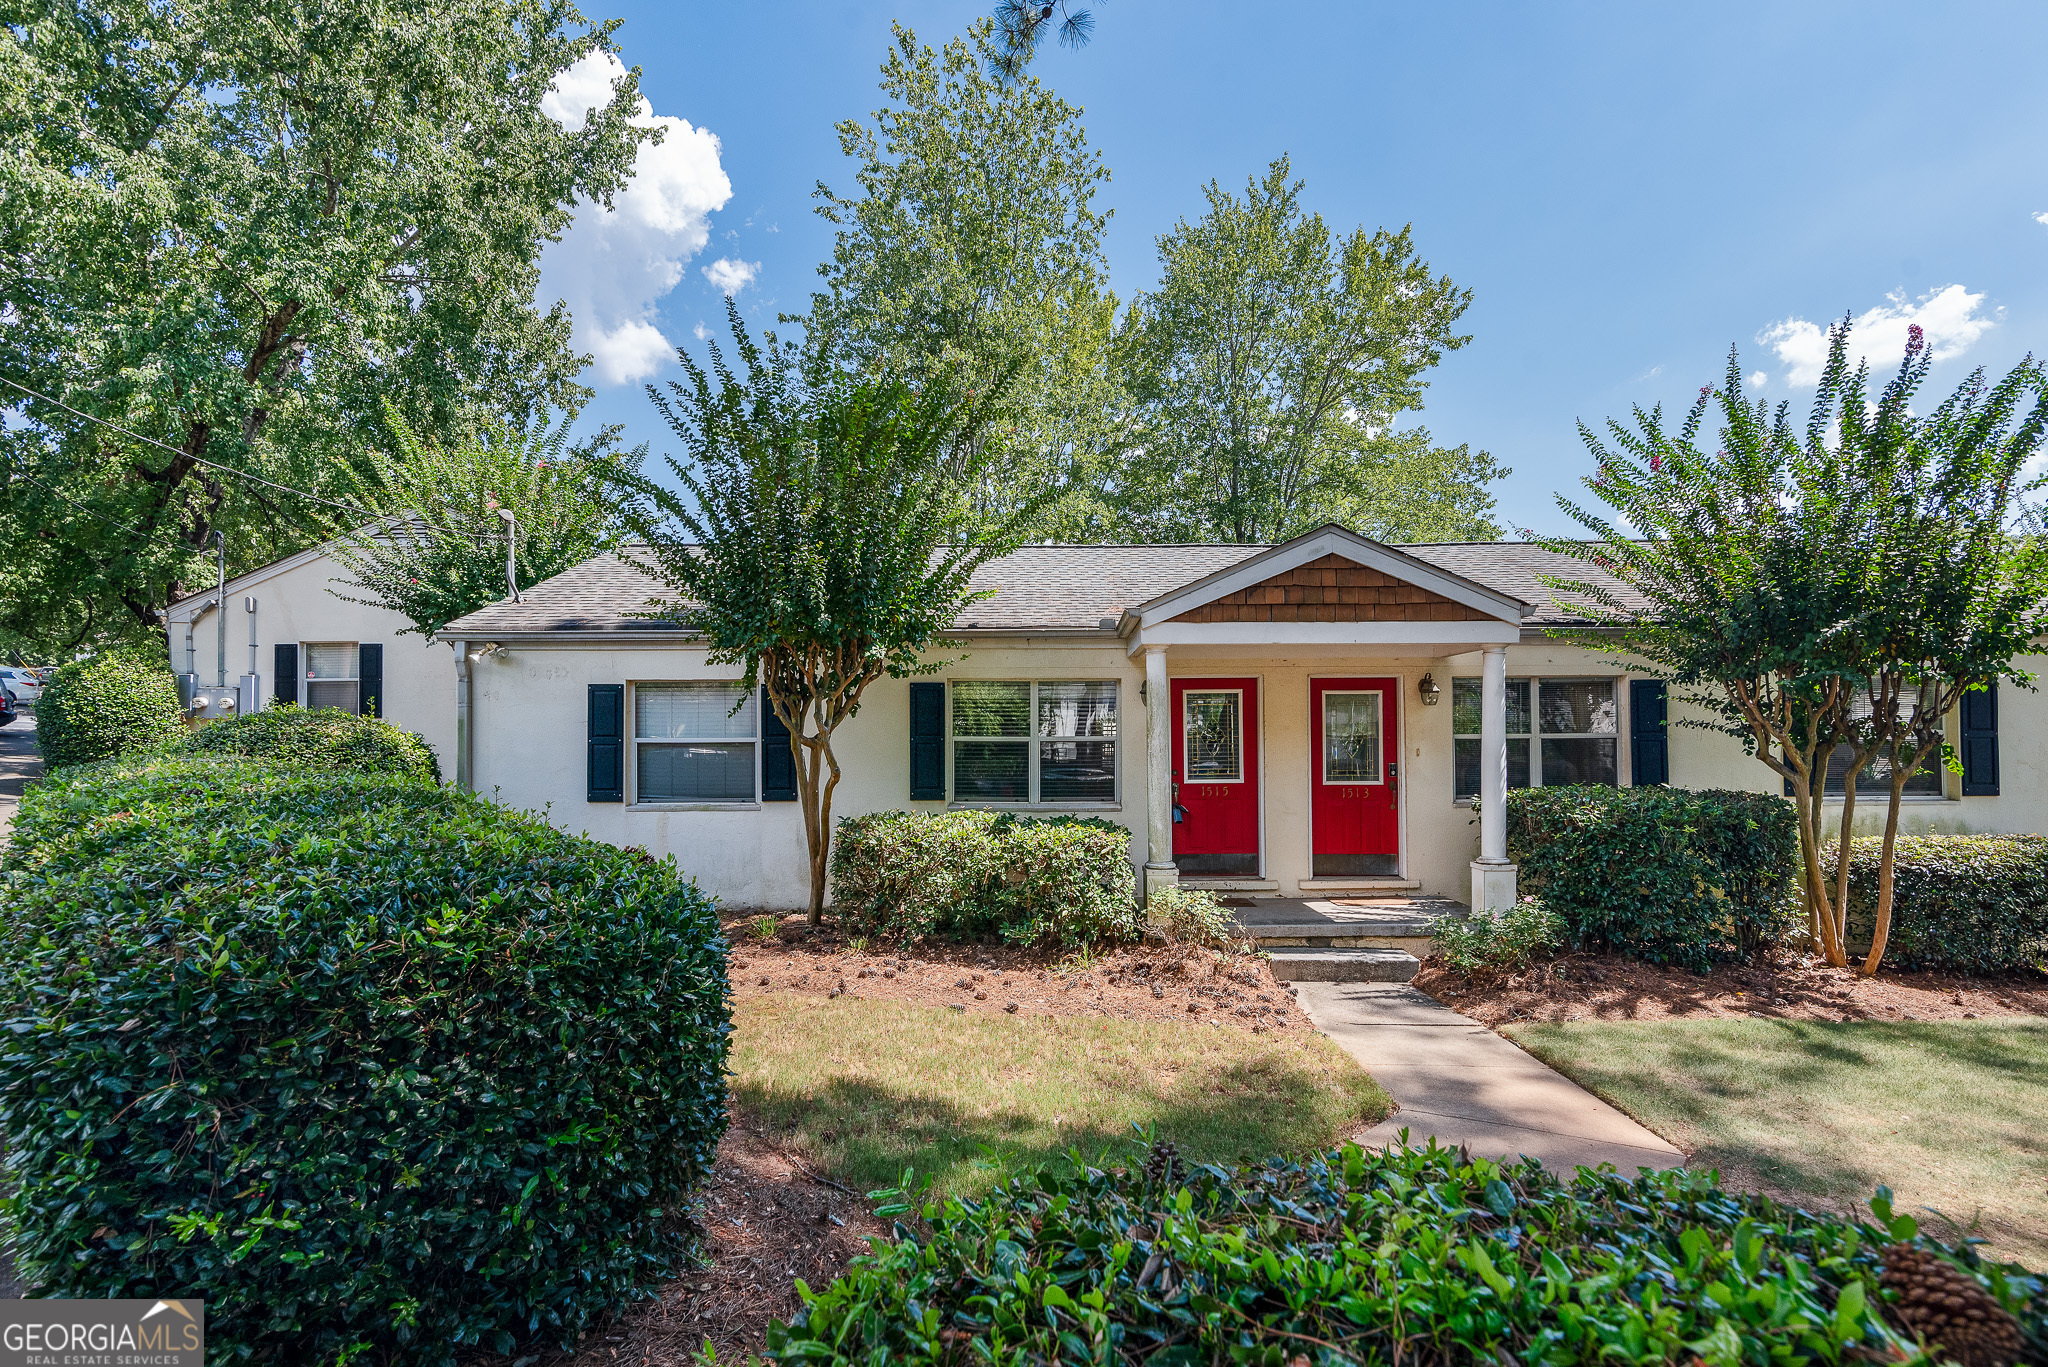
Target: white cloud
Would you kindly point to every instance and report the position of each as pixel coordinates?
(702, 333)
(730, 275)
(2041, 219)
(614, 266)
(1949, 316)
(1759, 380)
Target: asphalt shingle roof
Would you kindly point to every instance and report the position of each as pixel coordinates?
(1038, 588)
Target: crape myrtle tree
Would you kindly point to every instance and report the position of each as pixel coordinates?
(1825, 594)
(238, 231)
(435, 547)
(825, 535)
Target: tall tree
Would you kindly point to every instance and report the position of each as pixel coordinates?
(1827, 594)
(1021, 26)
(973, 250)
(456, 526)
(1271, 364)
(824, 537)
(238, 232)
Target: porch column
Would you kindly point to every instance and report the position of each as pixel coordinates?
(1159, 868)
(1493, 877)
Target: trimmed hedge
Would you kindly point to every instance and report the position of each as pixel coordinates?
(1360, 1256)
(325, 740)
(1665, 875)
(113, 704)
(377, 1067)
(1970, 903)
(969, 875)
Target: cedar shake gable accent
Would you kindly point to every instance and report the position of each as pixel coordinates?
(1333, 589)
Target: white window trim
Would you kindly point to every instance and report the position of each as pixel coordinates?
(354, 651)
(1323, 760)
(635, 740)
(1237, 693)
(1536, 735)
(1030, 740)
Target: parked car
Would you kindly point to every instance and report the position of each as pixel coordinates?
(7, 712)
(25, 684)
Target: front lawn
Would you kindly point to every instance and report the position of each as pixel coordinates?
(1948, 1114)
(867, 1088)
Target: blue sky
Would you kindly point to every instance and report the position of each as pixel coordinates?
(1626, 189)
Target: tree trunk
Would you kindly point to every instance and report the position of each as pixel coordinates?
(1881, 928)
(1806, 803)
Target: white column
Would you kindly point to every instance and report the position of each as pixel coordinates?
(465, 776)
(1493, 877)
(1159, 867)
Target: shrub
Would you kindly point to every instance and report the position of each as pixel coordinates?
(113, 704)
(1401, 1255)
(375, 1066)
(968, 875)
(1487, 942)
(1192, 916)
(1971, 903)
(325, 740)
(1666, 875)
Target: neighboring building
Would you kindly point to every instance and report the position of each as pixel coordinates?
(1313, 718)
(289, 631)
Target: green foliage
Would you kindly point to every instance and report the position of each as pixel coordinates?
(1666, 875)
(379, 1068)
(323, 741)
(435, 548)
(1844, 585)
(968, 875)
(240, 232)
(1490, 942)
(972, 253)
(1963, 903)
(823, 537)
(1401, 1255)
(1192, 916)
(115, 703)
(1270, 365)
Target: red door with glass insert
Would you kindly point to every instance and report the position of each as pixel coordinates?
(1216, 777)
(1354, 777)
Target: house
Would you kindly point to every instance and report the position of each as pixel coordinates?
(289, 635)
(1308, 719)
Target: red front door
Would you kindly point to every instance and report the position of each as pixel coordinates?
(1216, 777)
(1354, 778)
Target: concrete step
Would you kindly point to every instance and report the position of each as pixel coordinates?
(1274, 933)
(1312, 964)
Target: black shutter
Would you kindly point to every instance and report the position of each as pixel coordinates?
(1649, 740)
(285, 687)
(607, 743)
(370, 680)
(927, 742)
(778, 761)
(1980, 741)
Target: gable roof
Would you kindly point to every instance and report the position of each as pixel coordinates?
(1060, 588)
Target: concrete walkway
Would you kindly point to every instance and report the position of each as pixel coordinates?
(1460, 1082)
(19, 762)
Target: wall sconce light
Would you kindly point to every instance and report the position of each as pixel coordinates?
(1429, 690)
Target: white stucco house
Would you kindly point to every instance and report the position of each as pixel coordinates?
(1307, 719)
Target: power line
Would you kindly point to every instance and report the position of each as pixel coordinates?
(215, 465)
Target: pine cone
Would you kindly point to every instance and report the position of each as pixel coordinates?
(1160, 1162)
(1944, 1305)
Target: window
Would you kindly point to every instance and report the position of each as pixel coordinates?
(331, 675)
(1877, 771)
(1049, 742)
(1213, 743)
(690, 745)
(1351, 737)
(1573, 723)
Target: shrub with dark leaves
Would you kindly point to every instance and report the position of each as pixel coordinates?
(117, 703)
(1964, 903)
(380, 1069)
(1407, 1256)
(1665, 875)
(324, 739)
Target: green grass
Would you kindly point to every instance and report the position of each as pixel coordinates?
(1951, 1115)
(868, 1088)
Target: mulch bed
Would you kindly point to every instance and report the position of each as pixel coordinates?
(1792, 986)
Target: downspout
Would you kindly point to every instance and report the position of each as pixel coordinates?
(220, 600)
(465, 775)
